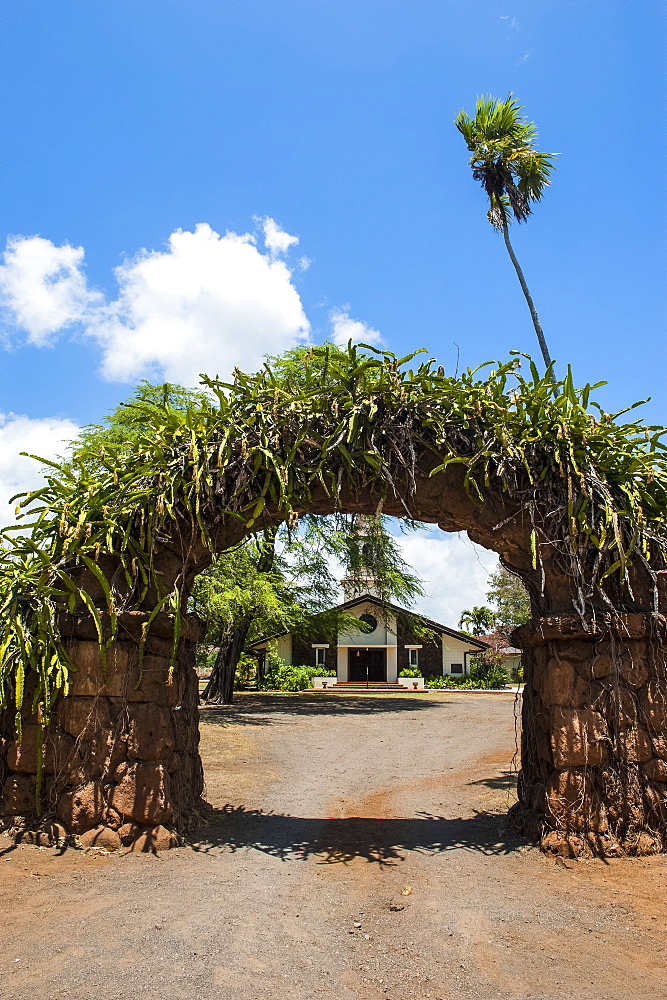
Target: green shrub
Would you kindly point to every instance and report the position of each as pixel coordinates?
(490, 672)
(493, 677)
(437, 682)
(285, 677)
(462, 681)
(409, 672)
(453, 681)
(245, 671)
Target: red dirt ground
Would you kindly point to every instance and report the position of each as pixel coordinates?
(358, 851)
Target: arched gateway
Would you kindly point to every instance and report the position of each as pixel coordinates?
(98, 652)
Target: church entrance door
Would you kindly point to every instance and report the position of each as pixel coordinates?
(369, 665)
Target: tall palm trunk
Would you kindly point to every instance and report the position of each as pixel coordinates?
(524, 287)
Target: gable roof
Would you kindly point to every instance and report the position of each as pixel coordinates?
(371, 599)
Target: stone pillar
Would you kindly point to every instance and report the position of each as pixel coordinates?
(594, 734)
(120, 757)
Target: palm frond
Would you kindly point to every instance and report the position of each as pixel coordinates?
(504, 158)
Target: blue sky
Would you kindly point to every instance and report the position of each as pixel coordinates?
(125, 123)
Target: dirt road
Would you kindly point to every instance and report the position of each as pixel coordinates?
(357, 851)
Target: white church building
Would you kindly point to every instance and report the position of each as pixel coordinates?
(395, 639)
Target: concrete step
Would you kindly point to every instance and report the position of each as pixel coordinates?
(363, 686)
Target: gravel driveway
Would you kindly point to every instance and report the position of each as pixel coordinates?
(357, 851)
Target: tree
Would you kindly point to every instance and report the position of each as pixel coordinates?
(368, 551)
(478, 621)
(129, 420)
(511, 606)
(511, 170)
(242, 594)
(510, 597)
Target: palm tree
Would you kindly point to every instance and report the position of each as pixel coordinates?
(478, 621)
(511, 170)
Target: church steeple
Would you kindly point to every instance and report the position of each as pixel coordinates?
(360, 577)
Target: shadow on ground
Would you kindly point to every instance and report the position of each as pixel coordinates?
(378, 841)
(256, 709)
(504, 782)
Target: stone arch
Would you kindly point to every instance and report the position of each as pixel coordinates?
(120, 752)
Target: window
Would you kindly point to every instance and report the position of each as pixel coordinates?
(370, 621)
(320, 657)
(413, 657)
(456, 668)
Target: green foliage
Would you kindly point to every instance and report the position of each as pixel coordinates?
(205, 658)
(130, 421)
(489, 670)
(478, 621)
(367, 549)
(285, 583)
(593, 488)
(492, 679)
(295, 595)
(284, 677)
(246, 670)
(511, 599)
(275, 581)
(437, 681)
(409, 672)
(233, 588)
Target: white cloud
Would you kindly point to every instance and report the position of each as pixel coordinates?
(344, 329)
(46, 437)
(206, 303)
(276, 239)
(453, 570)
(43, 287)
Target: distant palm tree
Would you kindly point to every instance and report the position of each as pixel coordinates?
(511, 170)
(478, 621)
